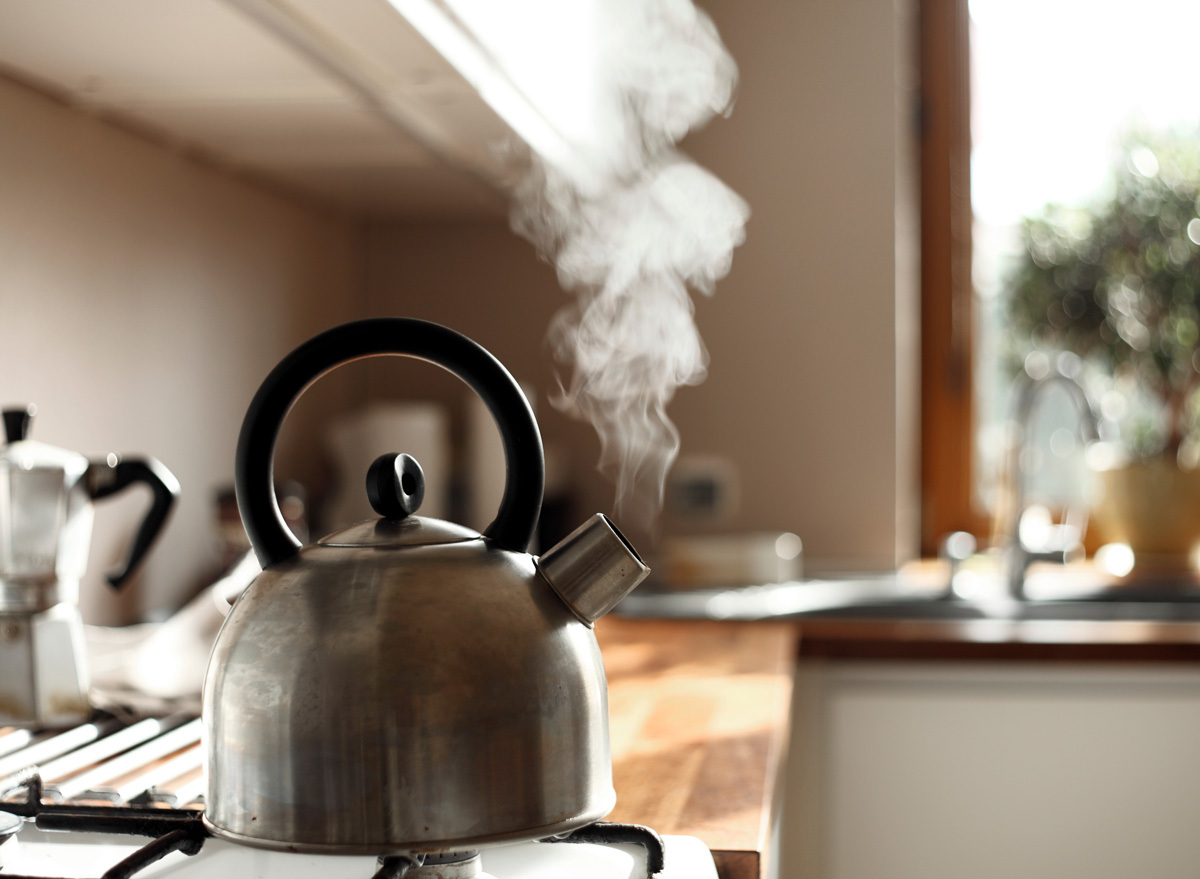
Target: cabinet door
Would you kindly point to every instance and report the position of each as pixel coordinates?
(972, 770)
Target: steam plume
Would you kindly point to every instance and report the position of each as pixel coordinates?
(631, 241)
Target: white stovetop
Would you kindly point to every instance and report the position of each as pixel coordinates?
(44, 853)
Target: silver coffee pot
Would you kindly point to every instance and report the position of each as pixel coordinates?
(46, 496)
(407, 684)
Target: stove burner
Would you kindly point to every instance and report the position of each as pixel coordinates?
(468, 865)
(396, 866)
(9, 825)
(444, 865)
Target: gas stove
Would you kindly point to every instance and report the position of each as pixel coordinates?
(115, 800)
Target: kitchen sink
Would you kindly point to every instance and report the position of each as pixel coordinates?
(1054, 596)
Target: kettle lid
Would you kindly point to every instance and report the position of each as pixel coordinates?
(394, 533)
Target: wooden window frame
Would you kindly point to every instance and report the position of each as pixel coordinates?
(947, 313)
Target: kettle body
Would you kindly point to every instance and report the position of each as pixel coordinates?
(408, 684)
(458, 727)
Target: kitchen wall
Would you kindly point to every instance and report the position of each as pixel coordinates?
(143, 297)
(811, 389)
(146, 292)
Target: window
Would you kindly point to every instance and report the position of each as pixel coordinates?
(1025, 102)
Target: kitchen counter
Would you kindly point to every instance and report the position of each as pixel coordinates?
(1073, 613)
(1028, 640)
(699, 710)
(699, 715)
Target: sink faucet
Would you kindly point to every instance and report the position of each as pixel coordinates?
(1064, 540)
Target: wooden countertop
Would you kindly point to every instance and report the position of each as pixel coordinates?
(699, 715)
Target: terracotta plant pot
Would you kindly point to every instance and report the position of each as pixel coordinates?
(1153, 506)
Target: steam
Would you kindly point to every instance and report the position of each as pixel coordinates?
(631, 238)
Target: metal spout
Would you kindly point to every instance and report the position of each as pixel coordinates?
(593, 568)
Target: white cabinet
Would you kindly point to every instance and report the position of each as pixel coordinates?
(982, 770)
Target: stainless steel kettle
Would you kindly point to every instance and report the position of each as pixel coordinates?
(407, 684)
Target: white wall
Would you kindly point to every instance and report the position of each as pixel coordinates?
(143, 297)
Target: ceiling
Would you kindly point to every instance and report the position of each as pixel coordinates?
(341, 100)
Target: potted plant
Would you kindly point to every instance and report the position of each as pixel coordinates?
(1118, 284)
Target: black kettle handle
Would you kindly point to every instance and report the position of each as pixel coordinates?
(254, 477)
(106, 478)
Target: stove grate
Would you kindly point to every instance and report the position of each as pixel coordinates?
(154, 761)
(145, 779)
(171, 830)
(611, 833)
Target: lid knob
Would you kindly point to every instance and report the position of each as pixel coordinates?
(16, 422)
(395, 485)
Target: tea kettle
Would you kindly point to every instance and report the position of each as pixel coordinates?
(407, 684)
(46, 496)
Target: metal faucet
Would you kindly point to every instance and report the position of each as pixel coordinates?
(1067, 538)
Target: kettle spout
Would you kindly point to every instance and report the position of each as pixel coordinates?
(593, 568)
